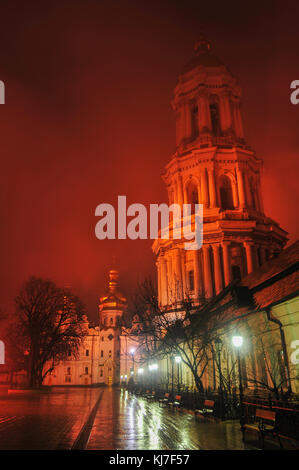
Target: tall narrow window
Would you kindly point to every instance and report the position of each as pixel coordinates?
(236, 272)
(191, 280)
(215, 119)
(226, 193)
(192, 194)
(87, 352)
(86, 370)
(194, 121)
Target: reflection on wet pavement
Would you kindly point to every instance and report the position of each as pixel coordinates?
(124, 422)
(53, 420)
(46, 420)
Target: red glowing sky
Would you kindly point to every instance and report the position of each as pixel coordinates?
(87, 118)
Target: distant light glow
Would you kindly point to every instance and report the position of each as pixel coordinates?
(140, 370)
(237, 341)
(177, 359)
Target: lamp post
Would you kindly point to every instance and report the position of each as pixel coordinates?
(172, 364)
(132, 351)
(238, 342)
(152, 368)
(140, 374)
(218, 345)
(178, 361)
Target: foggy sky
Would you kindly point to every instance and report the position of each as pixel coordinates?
(88, 117)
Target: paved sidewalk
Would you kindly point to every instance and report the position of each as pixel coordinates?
(44, 420)
(127, 422)
(67, 417)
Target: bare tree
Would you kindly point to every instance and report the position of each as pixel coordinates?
(47, 328)
(182, 330)
(272, 375)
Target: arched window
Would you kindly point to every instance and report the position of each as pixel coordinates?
(192, 195)
(226, 193)
(236, 272)
(215, 116)
(194, 121)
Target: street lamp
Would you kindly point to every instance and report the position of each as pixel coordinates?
(152, 367)
(218, 345)
(238, 342)
(178, 361)
(132, 351)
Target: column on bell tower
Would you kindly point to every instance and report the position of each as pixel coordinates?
(225, 113)
(204, 188)
(164, 289)
(197, 279)
(178, 275)
(212, 187)
(226, 263)
(217, 268)
(208, 284)
(241, 190)
(237, 119)
(204, 118)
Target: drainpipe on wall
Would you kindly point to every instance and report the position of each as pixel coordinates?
(275, 320)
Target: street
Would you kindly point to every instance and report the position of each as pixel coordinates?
(105, 419)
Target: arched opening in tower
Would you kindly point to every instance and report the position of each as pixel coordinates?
(215, 116)
(192, 194)
(226, 193)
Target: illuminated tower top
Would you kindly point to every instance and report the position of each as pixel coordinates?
(113, 303)
(207, 103)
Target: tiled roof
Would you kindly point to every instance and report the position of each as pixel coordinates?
(275, 280)
(277, 291)
(274, 266)
(279, 270)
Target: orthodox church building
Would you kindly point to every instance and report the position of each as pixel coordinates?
(213, 165)
(98, 359)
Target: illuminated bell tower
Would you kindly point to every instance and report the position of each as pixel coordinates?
(213, 166)
(111, 309)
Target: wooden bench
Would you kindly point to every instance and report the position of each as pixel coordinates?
(151, 395)
(265, 425)
(206, 410)
(176, 403)
(165, 399)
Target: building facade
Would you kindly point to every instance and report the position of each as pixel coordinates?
(98, 359)
(214, 166)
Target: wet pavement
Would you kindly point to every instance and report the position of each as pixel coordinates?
(106, 419)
